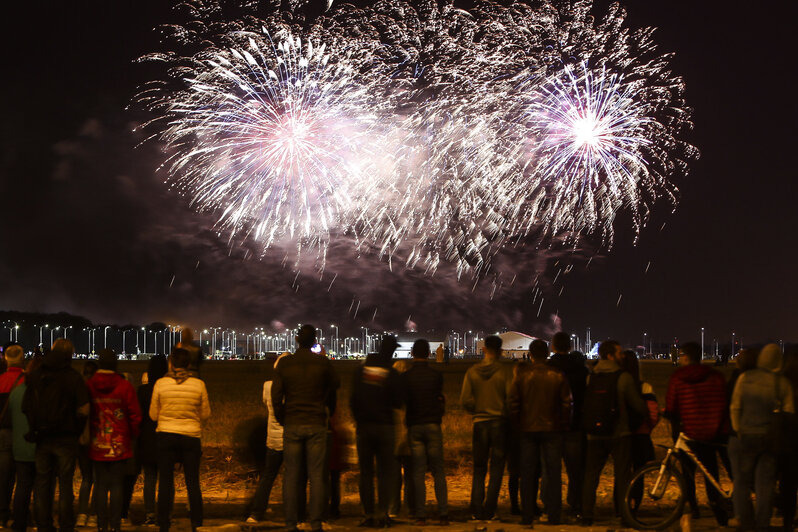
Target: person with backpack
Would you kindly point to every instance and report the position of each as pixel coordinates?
(696, 404)
(13, 377)
(540, 400)
(609, 398)
(485, 394)
(57, 403)
(115, 419)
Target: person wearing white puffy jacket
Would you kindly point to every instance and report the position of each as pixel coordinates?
(179, 406)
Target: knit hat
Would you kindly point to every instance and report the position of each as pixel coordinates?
(107, 359)
(15, 356)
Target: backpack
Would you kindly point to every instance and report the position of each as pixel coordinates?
(600, 410)
(50, 407)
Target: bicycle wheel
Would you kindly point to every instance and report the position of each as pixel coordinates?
(647, 509)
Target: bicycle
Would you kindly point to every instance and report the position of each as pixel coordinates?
(661, 489)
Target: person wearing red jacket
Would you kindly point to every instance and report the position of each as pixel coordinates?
(696, 404)
(114, 423)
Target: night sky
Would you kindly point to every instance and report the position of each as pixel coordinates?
(90, 228)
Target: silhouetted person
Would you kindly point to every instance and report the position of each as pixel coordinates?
(485, 395)
(423, 391)
(573, 439)
(541, 401)
(147, 454)
(609, 396)
(56, 403)
(757, 394)
(15, 361)
(375, 395)
(303, 396)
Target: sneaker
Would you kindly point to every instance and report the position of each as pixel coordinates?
(150, 520)
(91, 522)
(252, 520)
(81, 520)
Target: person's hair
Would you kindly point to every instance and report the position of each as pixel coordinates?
(631, 365)
(14, 355)
(179, 358)
(538, 350)
(493, 344)
(692, 351)
(420, 349)
(746, 359)
(63, 348)
(186, 335)
(306, 337)
(157, 368)
(561, 342)
(107, 360)
(89, 369)
(607, 348)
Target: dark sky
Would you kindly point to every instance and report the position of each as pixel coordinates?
(90, 228)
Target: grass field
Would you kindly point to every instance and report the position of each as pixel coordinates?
(238, 423)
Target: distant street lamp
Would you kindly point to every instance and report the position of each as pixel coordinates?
(105, 336)
(702, 343)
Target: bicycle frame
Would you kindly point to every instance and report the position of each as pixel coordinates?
(682, 445)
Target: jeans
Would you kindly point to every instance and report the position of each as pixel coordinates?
(55, 459)
(375, 443)
(403, 477)
(108, 478)
(707, 455)
(545, 447)
(573, 455)
(150, 482)
(6, 475)
(304, 444)
(173, 448)
(758, 472)
(598, 450)
(85, 493)
(489, 444)
(426, 446)
(26, 476)
(260, 501)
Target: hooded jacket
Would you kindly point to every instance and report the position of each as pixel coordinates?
(696, 402)
(115, 417)
(180, 404)
(486, 390)
(754, 397)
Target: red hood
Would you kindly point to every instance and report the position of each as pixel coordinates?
(105, 382)
(694, 373)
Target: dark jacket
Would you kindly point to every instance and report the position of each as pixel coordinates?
(576, 372)
(540, 399)
(629, 399)
(375, 391)
(56, 401)
(147, 451)
(696, 402)
(422, 388)
(486, 390)
(304, 388)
